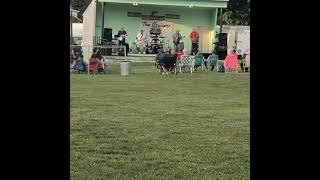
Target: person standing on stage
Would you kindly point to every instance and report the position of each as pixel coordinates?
(176, 40)
(122, 35)
(194, 36)
(140, 41)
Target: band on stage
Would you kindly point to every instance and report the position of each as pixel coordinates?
(157, 43)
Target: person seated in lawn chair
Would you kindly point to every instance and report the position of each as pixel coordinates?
(77, 50)
(95, 66)
(171, 60)
(100, 59)
(80, 65)
(231, 62)
(200, 61)
(162, 62)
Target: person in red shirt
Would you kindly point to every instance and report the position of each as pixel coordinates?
(194, 36)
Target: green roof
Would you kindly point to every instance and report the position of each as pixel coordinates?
(181, 3)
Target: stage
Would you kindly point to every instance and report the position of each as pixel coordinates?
(104, 18)
(131, 57)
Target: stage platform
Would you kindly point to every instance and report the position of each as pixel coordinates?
(131, 57)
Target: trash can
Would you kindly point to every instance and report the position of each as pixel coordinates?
(126, 68)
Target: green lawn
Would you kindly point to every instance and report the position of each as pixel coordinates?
(150, 126)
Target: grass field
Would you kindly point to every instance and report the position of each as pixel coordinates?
(149, 126)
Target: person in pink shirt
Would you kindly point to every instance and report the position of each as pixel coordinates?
(231, 61)
(194, 36)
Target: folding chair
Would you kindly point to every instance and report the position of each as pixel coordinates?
(213, 61)
(199, 61)
(186, 62)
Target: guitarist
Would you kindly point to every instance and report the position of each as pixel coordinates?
(140, 41)
(122, 33)
(176, 40)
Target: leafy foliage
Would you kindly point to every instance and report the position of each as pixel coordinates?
(237, 13)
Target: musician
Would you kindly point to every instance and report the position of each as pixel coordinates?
(194, 36)
(176, 40)
(140, 41)
(123, 33)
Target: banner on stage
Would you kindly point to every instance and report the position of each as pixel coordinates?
(162, 28)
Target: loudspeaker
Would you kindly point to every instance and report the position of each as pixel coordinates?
(222, 48)
(107, 34)
(223, 38)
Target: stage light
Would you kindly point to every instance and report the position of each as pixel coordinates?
(135, 3)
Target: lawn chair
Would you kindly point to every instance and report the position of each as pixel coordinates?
(199, 61)
(231, 62)
(213, 61)
(172, 63)
(95, 67)
(186, 62)
(79, 66)
(169, 64)
(246, 62)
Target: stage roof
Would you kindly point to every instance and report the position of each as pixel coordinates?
(180, 3)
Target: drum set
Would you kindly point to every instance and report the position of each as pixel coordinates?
(157, 43)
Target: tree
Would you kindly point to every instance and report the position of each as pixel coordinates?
(80, 5)
(237, 13)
